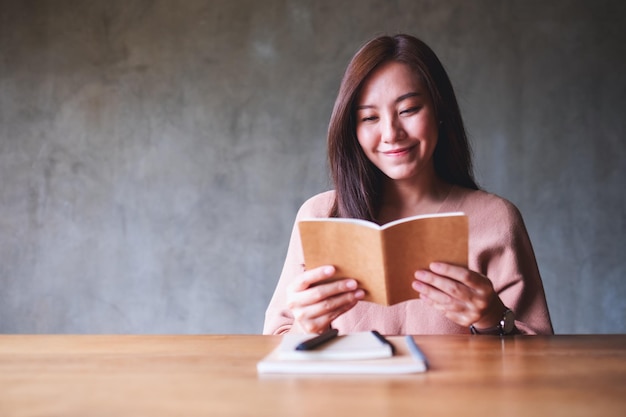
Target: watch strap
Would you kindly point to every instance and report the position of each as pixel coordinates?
(505, 326)
(495, 330)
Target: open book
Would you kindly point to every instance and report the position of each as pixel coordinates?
(383, 259)
(354, 353)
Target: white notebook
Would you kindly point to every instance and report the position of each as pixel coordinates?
(355, 353)
(362, 345)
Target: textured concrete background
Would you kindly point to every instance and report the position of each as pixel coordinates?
(153, 154)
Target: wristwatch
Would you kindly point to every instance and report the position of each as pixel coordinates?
(504, 327)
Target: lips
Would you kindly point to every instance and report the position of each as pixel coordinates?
(399, 151)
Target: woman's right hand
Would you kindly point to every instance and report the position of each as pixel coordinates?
(315, 303)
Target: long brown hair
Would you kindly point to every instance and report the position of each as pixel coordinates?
(358, 183)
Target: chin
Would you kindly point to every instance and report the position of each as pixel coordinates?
(399, 176)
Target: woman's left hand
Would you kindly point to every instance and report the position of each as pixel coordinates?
(463, 296)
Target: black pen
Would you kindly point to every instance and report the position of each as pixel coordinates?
(317, 341)
(384, 340)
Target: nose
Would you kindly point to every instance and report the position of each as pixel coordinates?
(392, 130)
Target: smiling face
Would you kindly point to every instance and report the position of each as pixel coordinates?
(396, 124)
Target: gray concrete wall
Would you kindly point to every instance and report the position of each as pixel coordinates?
(153, 154)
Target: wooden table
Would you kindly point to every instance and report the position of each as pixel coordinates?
(215, 375)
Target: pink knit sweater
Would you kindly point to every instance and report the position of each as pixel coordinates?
(499, 247)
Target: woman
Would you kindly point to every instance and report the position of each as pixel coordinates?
(397, 147)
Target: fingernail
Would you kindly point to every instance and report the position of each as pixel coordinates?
(351, 284)
(329, 270)
(359, 294)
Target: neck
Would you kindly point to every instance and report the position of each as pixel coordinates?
(412, 197)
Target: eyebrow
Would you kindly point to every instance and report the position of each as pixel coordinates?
(398, 100)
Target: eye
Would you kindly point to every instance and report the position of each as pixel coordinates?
(368, 118)
(410, 110)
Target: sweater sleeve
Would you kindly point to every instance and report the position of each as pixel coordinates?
(503, 252)
(278, 317)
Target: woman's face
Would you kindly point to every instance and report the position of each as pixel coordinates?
(395, 122)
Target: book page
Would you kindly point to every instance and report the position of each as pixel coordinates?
(410, 246)
(355, 250)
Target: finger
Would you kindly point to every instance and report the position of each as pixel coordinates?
(461, 274)
(440, 288)
(430, 293)
(320, 292)
(317, 317)
(442, 301)
(335, 305)
(459, 312)
(313, 276)
(324, 313)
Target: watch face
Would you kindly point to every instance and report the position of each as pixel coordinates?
(508, 322)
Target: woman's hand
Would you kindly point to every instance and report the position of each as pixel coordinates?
(465, 297)
(315, 303)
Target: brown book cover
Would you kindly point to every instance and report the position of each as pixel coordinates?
(383, 259)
